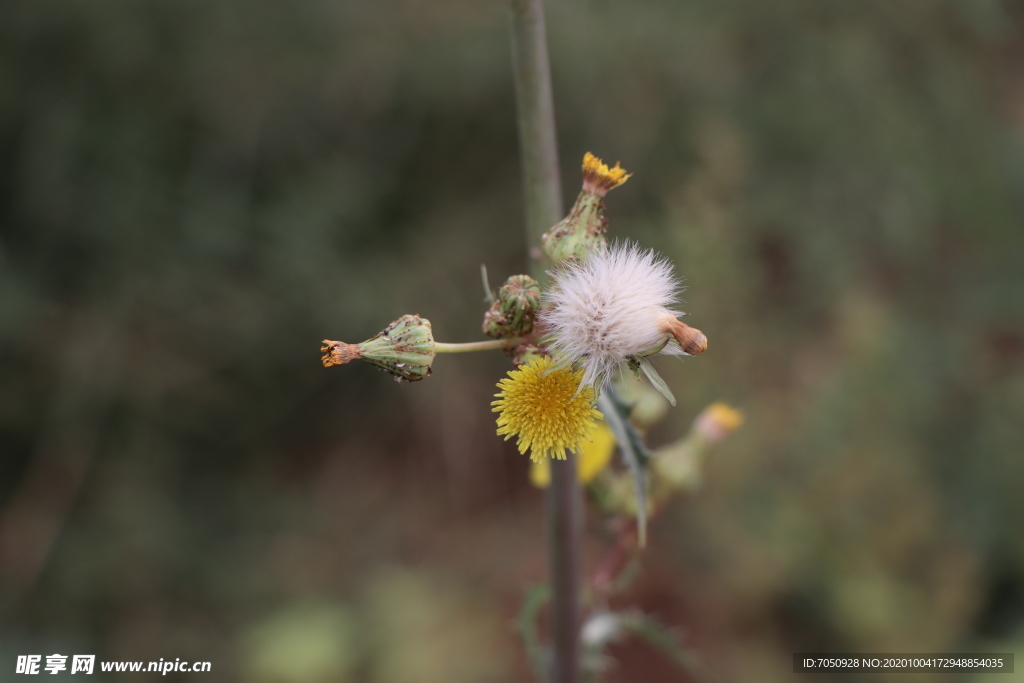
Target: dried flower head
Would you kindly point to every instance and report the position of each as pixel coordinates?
(614, 308)
(598, 178)
(548, 411)
(405, 348)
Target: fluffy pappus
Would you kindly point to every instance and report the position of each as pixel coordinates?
(616, 304)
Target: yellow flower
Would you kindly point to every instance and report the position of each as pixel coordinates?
(547, 410)
(594, 457)
(598, 178)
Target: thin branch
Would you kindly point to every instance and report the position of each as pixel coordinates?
(468, 347)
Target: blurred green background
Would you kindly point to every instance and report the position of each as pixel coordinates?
(194, 193)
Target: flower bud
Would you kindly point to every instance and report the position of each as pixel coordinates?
(717, 421)
(512, 314)
(405, 348)
(582, 231)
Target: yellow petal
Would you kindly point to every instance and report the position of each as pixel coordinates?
(593, 458)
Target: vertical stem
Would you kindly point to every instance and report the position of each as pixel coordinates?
(564, 527)
(538, 148)
(543, 195)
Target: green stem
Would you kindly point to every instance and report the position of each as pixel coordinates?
(469, 347)
(543, 197)
(538, 148)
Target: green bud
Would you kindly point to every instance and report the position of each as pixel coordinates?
(512, 314)
(405, 348)
(579, 233)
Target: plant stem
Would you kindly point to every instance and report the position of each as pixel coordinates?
(468, 347)
(543, 197)
(538, 149)
(564, 537)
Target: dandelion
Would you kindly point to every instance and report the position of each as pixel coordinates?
(548, 410)
(613, 309)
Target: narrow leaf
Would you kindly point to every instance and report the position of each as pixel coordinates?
(488, 292)
(618, 420)
(656, 379)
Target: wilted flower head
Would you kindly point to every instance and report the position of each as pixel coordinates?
(598, 178)
(547, 411)
(613, 308)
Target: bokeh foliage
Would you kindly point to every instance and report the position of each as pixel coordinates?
(194, 193)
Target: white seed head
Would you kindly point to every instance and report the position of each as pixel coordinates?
(609, 307)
